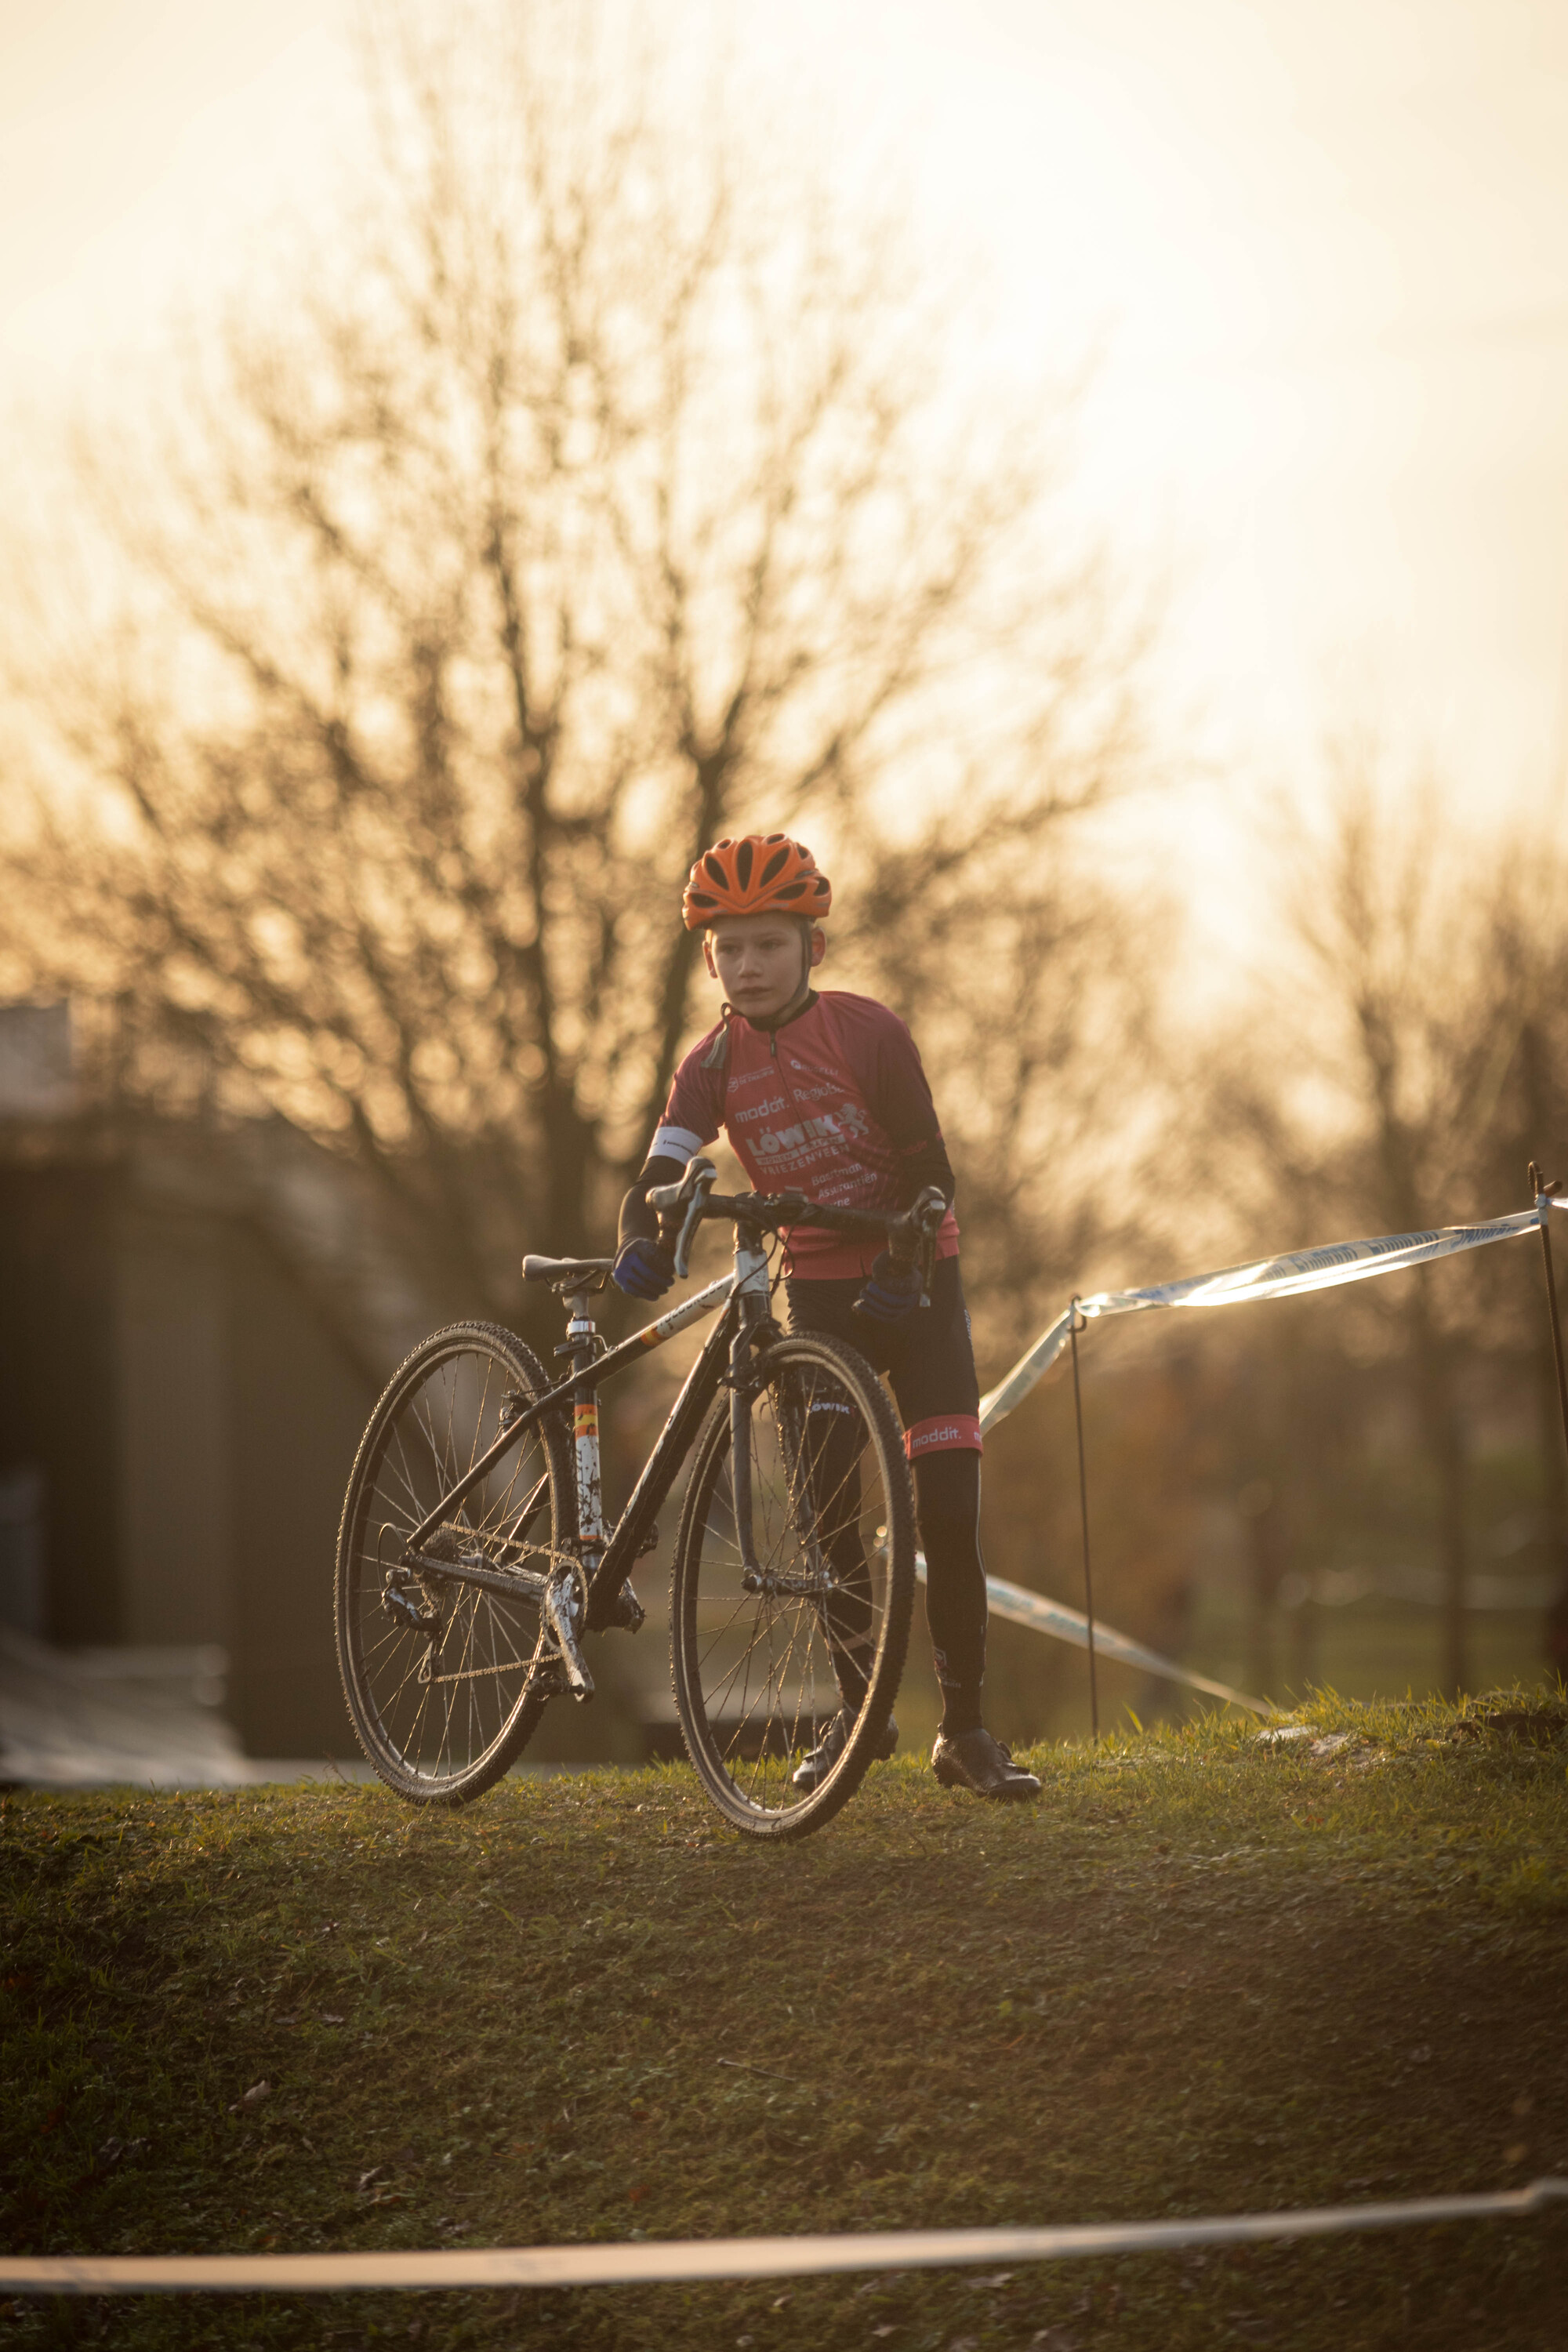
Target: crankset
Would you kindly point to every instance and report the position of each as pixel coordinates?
(565, 1609)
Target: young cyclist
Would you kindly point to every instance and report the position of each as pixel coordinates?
(824, 1093)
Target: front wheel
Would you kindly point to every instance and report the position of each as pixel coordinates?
(793, 1585)
(446, 1679)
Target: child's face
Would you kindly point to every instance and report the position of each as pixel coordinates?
(757, 960)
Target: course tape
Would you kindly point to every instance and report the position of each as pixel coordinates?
(1323, 1268)
(647, 2263)
(1022, 1607)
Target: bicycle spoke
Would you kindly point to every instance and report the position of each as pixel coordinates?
(780, 1634)
(441, 1705)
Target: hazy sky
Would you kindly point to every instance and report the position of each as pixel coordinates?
(1326, 245)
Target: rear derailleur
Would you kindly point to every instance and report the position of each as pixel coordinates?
(405, 1600)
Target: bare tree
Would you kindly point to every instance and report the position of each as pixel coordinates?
(1405, 1063)
(1032, 989)
(594, 487)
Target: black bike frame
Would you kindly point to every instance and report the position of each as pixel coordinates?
(660, 1470)
(744, 1293)
(743, 1318)
(578, 1385)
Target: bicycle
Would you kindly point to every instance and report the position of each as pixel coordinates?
(473, 1555)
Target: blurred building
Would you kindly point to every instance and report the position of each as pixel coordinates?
(191, 1338)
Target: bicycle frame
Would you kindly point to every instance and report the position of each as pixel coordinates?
(608, 1557)
(582, 1593)
(605, 1556)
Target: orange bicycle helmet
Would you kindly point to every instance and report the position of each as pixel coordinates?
(761, 873)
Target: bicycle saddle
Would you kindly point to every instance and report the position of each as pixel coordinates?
(568, 1272)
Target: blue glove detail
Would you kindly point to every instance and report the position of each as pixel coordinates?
(890, 1293)
(644, 1269)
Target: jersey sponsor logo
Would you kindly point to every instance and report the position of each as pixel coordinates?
(848, 1123)
(757, 1110)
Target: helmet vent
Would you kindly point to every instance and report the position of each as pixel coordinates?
(752, 874)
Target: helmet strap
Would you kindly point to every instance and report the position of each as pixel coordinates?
(718, 1053)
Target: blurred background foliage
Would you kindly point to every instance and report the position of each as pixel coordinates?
(596, 485)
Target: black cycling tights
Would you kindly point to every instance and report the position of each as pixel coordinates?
(947, 1505)
(930, 1359)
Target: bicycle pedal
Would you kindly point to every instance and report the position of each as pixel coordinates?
(628, 1615)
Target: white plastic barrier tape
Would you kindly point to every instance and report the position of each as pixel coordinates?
(1323, 1268)
(646, 2262)
(1268, 1277)
(1022, 1607)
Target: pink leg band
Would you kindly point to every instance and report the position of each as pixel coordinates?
(949, 1433)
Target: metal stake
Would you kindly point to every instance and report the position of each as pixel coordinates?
(1542, 1189)
(1073, 1328)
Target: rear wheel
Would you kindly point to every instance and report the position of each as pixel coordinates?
(446, 1680)
(798, 1610)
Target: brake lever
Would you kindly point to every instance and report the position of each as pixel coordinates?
(927, 1266)
(928, 1213)
(700, 1176)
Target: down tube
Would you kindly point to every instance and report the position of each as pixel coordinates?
(659, 1473)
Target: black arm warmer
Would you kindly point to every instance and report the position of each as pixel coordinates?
(928, 1163)
(637, 1220)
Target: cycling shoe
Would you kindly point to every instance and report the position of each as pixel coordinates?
(981, 1765)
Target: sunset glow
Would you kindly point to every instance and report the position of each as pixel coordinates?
(1322, 257)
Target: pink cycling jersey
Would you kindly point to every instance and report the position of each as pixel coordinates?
(834, 1103)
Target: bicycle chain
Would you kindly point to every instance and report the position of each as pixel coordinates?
(546, 1659)
(552, 1553)
(479, 1674)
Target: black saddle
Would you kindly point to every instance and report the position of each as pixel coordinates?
(569, 1273)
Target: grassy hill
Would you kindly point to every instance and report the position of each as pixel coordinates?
(1204, 1974)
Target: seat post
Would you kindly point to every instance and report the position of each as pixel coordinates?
(582, 1345)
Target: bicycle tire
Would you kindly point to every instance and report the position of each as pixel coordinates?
(441, 1724)
(820, 1531)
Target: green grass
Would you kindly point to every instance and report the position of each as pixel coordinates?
(1201, 1976)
